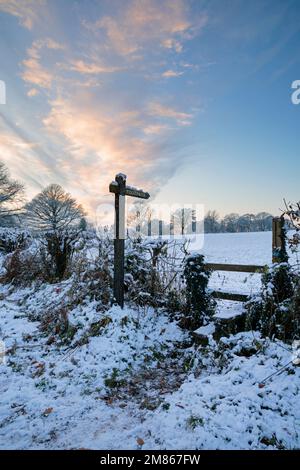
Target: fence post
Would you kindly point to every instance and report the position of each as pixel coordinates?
(279, 254)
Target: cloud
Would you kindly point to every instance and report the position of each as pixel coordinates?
(156, 129)
(41, 67)
(172, 44)
(144, 22)
(93, 125)
(32, 92)
(97, 143)
(91, 68)
(33, 71)
(187, 65)
(27, 11)
(85, 130)
(158, 110)
(171, 73)
(35, 74)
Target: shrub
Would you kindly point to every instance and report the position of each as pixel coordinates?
(13, 239)
(294, 311)
(21, 268)
(60, 248)
(272, 312)
(153, 271)
(143, 273)
(175, 300)
(93, 279)
(200, 304)
(97, 282)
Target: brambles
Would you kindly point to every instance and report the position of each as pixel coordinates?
(152, 273)
(21, 268)
(13, 239)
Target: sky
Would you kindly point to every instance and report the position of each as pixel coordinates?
(191, 99)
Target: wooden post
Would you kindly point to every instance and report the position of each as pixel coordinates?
(149, 228)
(118, 187)
(279, 254)
(119, 241)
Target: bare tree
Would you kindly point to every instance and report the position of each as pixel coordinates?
(53, 210)
(182, 221)
(55, 214)
(11, 192)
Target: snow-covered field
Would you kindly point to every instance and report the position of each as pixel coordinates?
(238, 248)
(137, 381)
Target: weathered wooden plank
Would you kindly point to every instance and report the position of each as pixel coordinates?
(136, 193)
(230, 296)
(114, 188)
(243, 268)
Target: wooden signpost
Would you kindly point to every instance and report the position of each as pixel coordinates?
(120, 190)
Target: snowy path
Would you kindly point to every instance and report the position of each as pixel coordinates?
(49, 401)
(60, 408)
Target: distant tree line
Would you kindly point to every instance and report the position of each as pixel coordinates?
(234, 223)
(184, 221)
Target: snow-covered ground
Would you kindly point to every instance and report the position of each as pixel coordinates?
(132, 379)
(120, 390)
(63, 396)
